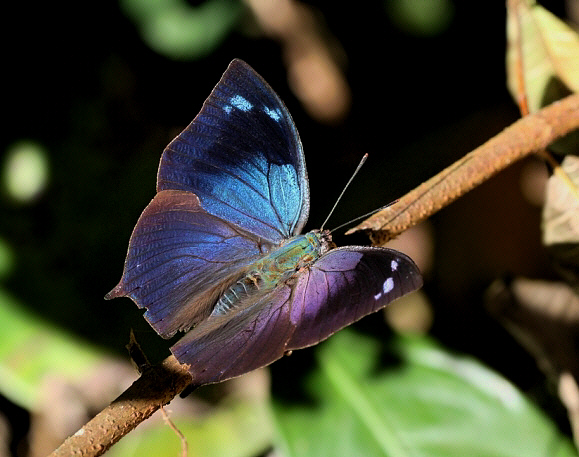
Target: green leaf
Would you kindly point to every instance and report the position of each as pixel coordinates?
(430, 404)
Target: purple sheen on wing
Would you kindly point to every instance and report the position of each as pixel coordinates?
(223, 347)
(344, 285)
(340, 288)
(180, 259)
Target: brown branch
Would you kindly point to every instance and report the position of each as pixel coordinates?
(157, 386)
(528, 135)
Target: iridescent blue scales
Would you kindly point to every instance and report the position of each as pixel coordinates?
(218, 253)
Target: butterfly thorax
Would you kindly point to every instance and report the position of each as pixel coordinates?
(278, 266)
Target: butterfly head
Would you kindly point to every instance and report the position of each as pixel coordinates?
(324, 238)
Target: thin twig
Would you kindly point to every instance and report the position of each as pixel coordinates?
(157, 386)
(179, 433)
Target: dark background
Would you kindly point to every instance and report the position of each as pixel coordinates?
(80, 81)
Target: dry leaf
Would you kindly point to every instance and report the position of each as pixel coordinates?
(560, 220)
(561, 210)
(542, 55)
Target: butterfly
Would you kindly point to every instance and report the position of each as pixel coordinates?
(218, 253)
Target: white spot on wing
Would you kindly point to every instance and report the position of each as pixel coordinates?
(394, 265)
(386, 288)
(388, 285)
(227, 109)
(273, 113)
(241, 103)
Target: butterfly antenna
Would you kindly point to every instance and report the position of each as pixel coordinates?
(363, 216)
(345, 187)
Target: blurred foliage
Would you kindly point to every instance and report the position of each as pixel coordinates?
(427, 402)
(6, 259)
(421, 17)
(31, 350)
(178, 30)
(25, 170)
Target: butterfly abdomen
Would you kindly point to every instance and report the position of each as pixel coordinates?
(242, 289)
